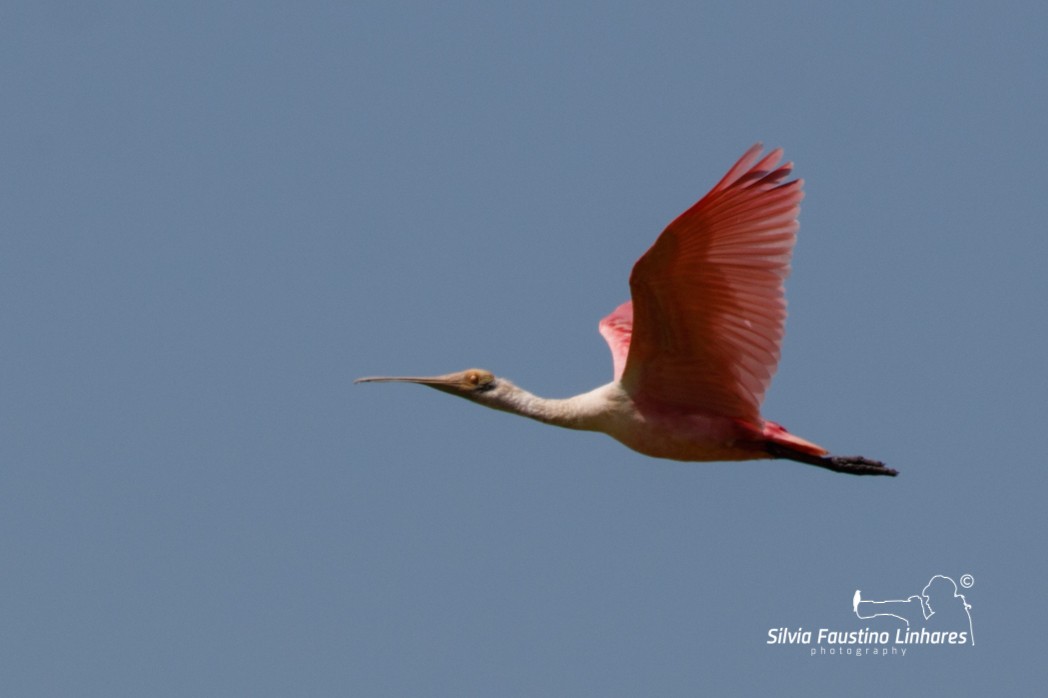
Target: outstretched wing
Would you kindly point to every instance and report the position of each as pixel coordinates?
(708, 312)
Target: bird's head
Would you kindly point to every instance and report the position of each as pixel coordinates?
(473, 384)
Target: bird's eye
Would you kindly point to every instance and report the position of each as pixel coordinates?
(480, 380)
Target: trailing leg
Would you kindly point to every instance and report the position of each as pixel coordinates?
(852, 465)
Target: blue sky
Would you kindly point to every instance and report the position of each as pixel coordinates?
(217, 216)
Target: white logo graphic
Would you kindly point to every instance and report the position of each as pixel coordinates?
(941, 597)
(939, 615)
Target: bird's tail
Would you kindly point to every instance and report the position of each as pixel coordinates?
(777, 435)
(779, 443)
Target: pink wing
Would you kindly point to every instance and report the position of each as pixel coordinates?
(708, 310)
(616, 330)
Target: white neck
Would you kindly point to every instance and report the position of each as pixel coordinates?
(588, 411)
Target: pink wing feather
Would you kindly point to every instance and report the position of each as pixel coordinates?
(616, 330)
(707, 318)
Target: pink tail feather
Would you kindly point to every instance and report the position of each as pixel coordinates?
(777, 434)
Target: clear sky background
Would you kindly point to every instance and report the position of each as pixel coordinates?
(215, 216)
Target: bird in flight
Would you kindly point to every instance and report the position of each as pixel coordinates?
(696, 348)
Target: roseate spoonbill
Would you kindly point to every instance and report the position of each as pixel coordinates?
(696, 348)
